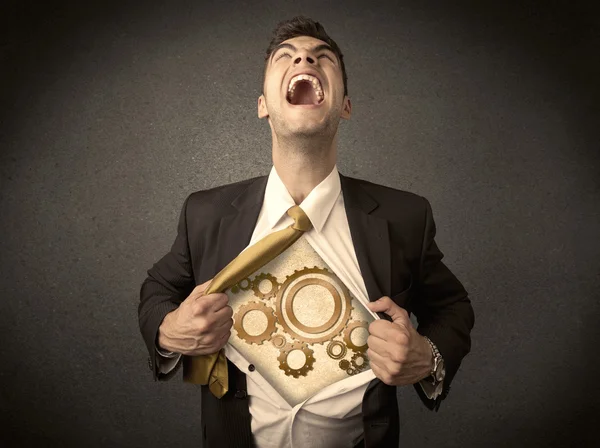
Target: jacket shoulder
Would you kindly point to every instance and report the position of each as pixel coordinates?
(394, 203)
(217, 200)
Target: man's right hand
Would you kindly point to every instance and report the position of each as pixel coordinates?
(200, 326)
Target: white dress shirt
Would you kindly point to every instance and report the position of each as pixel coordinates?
(332, 417)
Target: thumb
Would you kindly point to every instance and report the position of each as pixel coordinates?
(389, 307)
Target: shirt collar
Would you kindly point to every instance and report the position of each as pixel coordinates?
(317, 205)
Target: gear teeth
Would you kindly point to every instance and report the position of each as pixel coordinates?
(308, 354)
(265, 335)
(348, 331)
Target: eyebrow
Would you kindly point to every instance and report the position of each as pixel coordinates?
(291, 47)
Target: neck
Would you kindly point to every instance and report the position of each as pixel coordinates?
(302, 165)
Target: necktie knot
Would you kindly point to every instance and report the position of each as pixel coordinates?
(301, 221)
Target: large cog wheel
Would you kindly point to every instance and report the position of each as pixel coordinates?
(238, 322)
(308, 364)
(322, 333)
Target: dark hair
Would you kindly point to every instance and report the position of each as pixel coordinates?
(303, 26)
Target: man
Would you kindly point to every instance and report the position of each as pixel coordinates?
(379, 238)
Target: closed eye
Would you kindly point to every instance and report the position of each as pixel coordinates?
(320, 56)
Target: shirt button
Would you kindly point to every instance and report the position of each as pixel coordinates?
(251, 367)
(150, 364)
(241, 394)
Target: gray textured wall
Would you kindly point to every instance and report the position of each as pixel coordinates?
(112, 114)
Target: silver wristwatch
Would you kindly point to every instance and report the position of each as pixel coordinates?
(438, 371)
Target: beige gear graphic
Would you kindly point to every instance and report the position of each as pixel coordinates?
(323, 333)
(308, 364)
(334, 344)
(278, 341)
(238, 322)
(365, 361)
(265, 295)
(243, 285)
(344, 364)
(348, 332)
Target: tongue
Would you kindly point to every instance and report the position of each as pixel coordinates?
(304, 94)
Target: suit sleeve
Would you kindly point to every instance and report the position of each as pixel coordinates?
(169, 282)
(442, 308)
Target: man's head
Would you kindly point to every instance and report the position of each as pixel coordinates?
(303, 26)
(305, 106)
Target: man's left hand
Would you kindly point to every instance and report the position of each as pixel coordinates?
(397, 353)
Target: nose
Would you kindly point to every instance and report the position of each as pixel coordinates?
(308, 58)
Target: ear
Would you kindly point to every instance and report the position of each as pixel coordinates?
(346, 108)
(262, 107)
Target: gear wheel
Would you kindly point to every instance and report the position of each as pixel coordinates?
(342, 308)
(351, 372)
(344, 364)
(348, 332)
(243, 285)
(362, 366)
(308, 364)
(334, 344)
(278, 341)
(265, 295)
(238, 322)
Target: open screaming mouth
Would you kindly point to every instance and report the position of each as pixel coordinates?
(305, 89)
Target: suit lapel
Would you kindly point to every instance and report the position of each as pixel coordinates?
(236, 228)
(370, 238)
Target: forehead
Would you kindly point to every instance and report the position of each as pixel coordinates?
(304, 41)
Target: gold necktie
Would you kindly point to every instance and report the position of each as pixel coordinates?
(212, 369)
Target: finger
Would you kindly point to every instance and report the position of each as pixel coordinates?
(388, 306)
(384, 329)
(223, 316)
(215, 301)
(219, 301)
(380, 372)
(378, 346)
(379, 361)
(225, 325)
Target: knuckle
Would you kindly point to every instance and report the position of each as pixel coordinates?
(200, 306)
(401, 339)
(203, 326)
(370, 340)
(398, 356)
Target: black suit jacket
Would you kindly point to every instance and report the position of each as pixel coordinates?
(393, 235)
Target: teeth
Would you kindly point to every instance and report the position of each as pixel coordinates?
(314, 81)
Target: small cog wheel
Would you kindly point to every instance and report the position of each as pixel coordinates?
(274, 286)
(351, 371)
(348, 332)
(344, 364)
(308, 364)
(363, 365)
(278, 341)
(243, 285)
(332, 345)
(238, 322)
